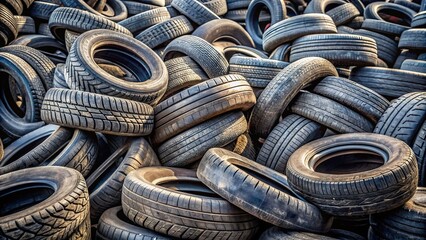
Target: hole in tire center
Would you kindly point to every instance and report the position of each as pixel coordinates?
(396, 17)
(262, 19)
(347, 163)
(12, 96)
(122, 64)
(188, 186)
(23, 196)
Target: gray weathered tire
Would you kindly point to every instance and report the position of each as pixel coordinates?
(414, 66)
(139, 22)
(195, 10)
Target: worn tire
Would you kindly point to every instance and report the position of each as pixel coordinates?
(413, 39)
(414, 66)
(139, 22)
(387, 48)
(356, 192)
(94, 112)
(343, 14)
(8, 26)
(194, 10)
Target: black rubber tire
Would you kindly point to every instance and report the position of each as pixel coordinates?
(257, 71)
(139, 22)
(374, 11)
(106, 182)
(31, 89)
(356, 192)
(330, 113)
(243, 50)
(322, 6)
(113, 225)
(390, 83)
(135, 7)
(82, 72)
(237, 4)
(194, 10)
(413, 39)
(404, 117)
(162, 211)
(290, 134)
(275, 233)
(409, 4)
(212, 61)
(25, 25)
(183, 73)
(95, 112)
(79, 21)
(243, 146)
(83, 232)
(383, 27)
(239, 16)
(41, 10)
(340, 49)
(61, 198)
(405, 55)
(219, 7)
(15, 6)
(276, 9)
(281, 53)
(344, 72)
(419, 20)
(224, 29)
(354, 96)
(43, 29)
(24, 144)
(290, 29)
(259, 191)
(44, 67)
(52, 48)
(387, 48)
(190, 146)
(356, 23)
(406, 222)
(419, 148)
(282, 89)
(59, 78)
(343, 14)
(162, 33)
(8, 25)
(119, 10)
(200, 103)
(414, 66)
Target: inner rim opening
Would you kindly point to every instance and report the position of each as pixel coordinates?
(348, 159)
(12, 96)
(191, 186)
(394, 16)
(21, 197)
(124, 59)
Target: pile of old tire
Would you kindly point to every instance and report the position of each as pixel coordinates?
(212, 119)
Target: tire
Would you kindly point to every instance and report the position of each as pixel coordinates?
(356, 23)
(228, 52)
(275, 233)
(290, 134)
(199, 103)
(118, 9)
(419, 148)
(43, 29)
(195, 11)
(404, 117)
(83, 232)
(387, 48)
(8, 25)
(183, 73)
(277, 10)
(134, 7)
(113, 224)
(82, 72)
(413, 39)
(405, 55)
(281, 53)
(58, 78)
(160, 3)
(213, 62)
(257, 71)
(354, 96)
(162, 212)
(411, 5)
(25, 25)
(414, 66)
(340, 49)
(237, 4)
(15, 121)
(243, 146)
(419, 20)
(47, 45)
(405, 222)
(15, 6)
(390, 83)
(219, 7)
(106, 182)
(383, 27)
(259, 191)
(322, 6)
(330, 113)
(79, 21)
(139, 22)
(42, 10)
(383, 185)
(373, 10)
(290, 29)
(343, 14)
(162, 33)
(224, 29)
(190, 146)
(61, 198)
(118, 116)
(44, 67)
(282, 89)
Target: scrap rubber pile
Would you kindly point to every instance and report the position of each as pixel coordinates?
(212, 119)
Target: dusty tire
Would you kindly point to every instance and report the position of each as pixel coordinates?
(414, 66)
(258, 190)
(161, 210)
(144, 20)
(82, 72)
(413, 39)
(118, 116)
(200, 103)
(194, 10)
(340, 194)
(62, 198)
